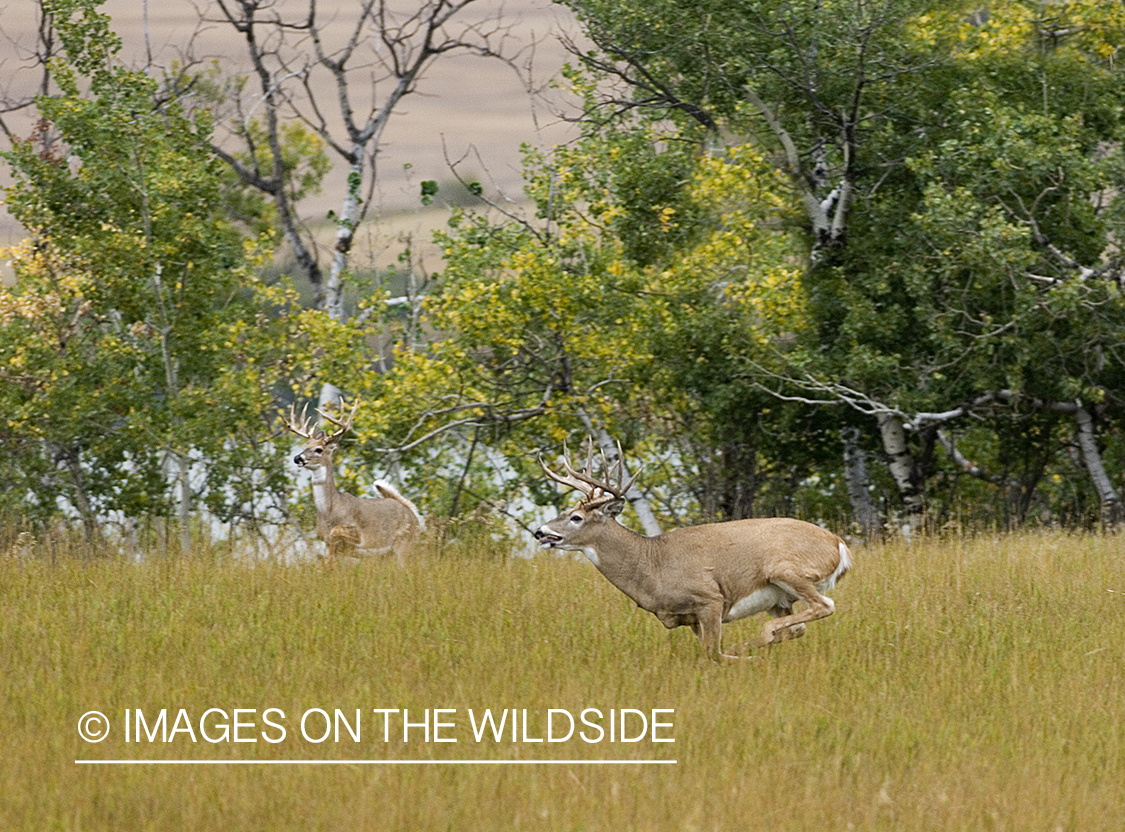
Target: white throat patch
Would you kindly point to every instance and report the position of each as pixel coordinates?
(320, 494)
(591, 554)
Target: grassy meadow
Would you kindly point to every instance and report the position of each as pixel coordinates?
(973, 683)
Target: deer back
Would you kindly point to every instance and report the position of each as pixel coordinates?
(746, 554)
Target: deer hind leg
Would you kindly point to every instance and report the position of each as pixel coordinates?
(786, 624)
(793, 630)
(790, 632)
(403, 545)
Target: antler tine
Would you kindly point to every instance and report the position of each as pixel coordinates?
(614, 482)
(300, 428)
(621, 475)
(595, 491)
(345, 425)
(586, 474)
(571, 478)
(616, 471)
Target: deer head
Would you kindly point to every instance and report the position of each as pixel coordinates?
(318, 450)
(601, 502)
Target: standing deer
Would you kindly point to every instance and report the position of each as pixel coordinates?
(702, 576)
(386, 526)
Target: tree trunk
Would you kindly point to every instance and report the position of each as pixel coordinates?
(345, 232)
(330, 396)
(738, 485)
(184, 464)
(1111, 509)
(902, 468)
(81, 500)
(859, 485)
(1110, 500)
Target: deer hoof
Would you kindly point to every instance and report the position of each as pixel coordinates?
(739, 652)
(796, 631)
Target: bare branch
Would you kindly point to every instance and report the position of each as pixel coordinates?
(489, 415)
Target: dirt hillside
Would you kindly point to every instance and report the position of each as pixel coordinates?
(465, 107)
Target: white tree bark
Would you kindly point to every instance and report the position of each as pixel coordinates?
(346, 225)
(1092, 458)
(1111, 506)
(901, 465)
(183, 463)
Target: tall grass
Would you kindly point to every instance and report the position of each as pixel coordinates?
(962, 684)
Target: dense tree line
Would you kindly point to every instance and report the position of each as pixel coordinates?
(855, 262)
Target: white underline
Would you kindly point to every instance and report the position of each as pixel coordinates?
(376, 762)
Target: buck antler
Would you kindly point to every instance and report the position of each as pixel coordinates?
(303, 427)
(307, 430)
(596, 492)
(345, 425)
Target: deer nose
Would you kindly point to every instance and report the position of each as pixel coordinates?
(299, 459)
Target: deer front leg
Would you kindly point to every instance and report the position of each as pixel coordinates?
(341, 536)
(708, 628)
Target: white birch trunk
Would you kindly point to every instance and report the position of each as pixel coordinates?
(1111, 508)
(901, 465)
(1092, 459)
(345, 233)
(80, 498)
(184, 464)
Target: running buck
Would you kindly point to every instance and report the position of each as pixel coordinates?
(702, 576)
(383, 527)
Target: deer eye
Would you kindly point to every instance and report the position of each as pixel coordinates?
(576, 518)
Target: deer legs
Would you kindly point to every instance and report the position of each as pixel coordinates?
(343, 537)
(339, 537)
(783, 625)
(786, 624)
(708, 628)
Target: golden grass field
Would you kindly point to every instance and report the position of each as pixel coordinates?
(963, 684)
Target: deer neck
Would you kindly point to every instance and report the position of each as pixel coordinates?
(628, 560)
(323, 487)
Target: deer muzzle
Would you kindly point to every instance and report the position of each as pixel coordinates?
(547, 538)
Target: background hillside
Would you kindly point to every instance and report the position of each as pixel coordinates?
(467, 105)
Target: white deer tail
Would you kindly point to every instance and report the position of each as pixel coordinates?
(845, 563)
(388, 491)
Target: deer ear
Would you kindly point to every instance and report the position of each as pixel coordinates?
(614, 507)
